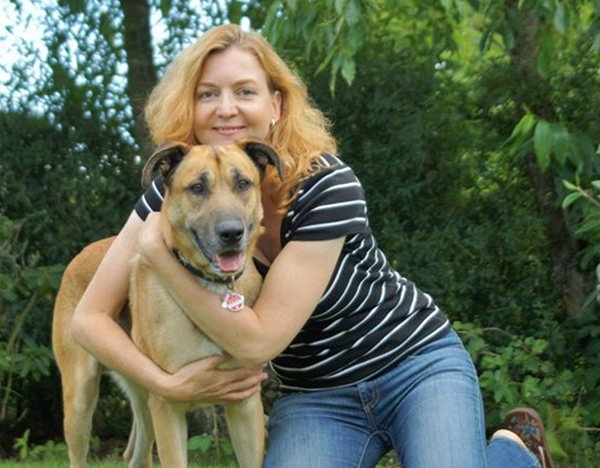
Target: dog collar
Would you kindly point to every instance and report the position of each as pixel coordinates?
(201, 274)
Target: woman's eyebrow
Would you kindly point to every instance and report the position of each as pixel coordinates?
(235, 83)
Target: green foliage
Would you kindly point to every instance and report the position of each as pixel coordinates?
(554, 145)
(33, 361)
(568, 147)
(25, 286)
(22, 445)
(332, 32)
(559, 96)
(66, 179)
(332, 29)
(184, 22)
(50, 451)
(207, 446)
(50, 174)
(589, 224)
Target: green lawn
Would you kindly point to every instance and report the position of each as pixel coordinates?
(92, 464)
(106, 464)
(388, 462)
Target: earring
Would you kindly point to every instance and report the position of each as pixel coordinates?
(273, 123)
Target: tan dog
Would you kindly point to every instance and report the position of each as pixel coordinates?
(211, 218)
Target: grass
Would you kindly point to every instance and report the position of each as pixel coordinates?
(57, 461)
(108, 464)
(92, 464)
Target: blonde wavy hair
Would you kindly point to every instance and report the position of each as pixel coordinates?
(300, 136)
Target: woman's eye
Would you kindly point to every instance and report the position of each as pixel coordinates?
(205, 95)
(197, 189)
(246, 92)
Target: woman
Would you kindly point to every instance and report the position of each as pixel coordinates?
(367, 362)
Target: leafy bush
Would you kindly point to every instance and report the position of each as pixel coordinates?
(517, 370)
(50, 451)
(25, 357)
(57, 194)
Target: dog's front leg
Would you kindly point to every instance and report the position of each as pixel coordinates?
(170, 429)
(246, 423)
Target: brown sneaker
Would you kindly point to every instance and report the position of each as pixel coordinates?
(527, 424)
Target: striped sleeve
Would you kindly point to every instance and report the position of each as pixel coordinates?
(331, 204)
(151, 200)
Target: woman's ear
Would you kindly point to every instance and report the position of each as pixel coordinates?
(277, 103)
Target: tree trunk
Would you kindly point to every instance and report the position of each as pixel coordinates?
(141, 76)
(569, 281)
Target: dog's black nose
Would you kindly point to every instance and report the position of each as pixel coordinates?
(230, 231)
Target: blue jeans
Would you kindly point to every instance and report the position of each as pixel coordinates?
(428, 409)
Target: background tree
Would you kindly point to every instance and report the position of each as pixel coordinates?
(141, 76)
(536, 35)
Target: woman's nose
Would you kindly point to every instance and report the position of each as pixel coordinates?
(227, 106)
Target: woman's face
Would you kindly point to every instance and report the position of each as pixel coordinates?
(233, 99)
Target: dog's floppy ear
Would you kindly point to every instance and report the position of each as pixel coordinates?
(263, 155)
(165, 158)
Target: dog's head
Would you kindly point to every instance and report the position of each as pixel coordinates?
(212, 209)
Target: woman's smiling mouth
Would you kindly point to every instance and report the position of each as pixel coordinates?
(228, 130)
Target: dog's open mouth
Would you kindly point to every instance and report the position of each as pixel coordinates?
(229, 262)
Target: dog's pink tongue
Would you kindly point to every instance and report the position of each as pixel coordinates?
(230, 262)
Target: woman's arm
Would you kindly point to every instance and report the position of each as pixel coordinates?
(291, 291)
(95, 329)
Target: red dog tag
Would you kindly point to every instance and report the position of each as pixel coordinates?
(232, 301)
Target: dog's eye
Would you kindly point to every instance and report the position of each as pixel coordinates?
(243, 184)
(197, 188)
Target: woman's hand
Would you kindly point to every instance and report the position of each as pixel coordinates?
(202, 380)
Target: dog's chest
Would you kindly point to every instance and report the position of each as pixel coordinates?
(160, 327)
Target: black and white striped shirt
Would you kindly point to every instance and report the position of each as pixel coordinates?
(369, 317)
